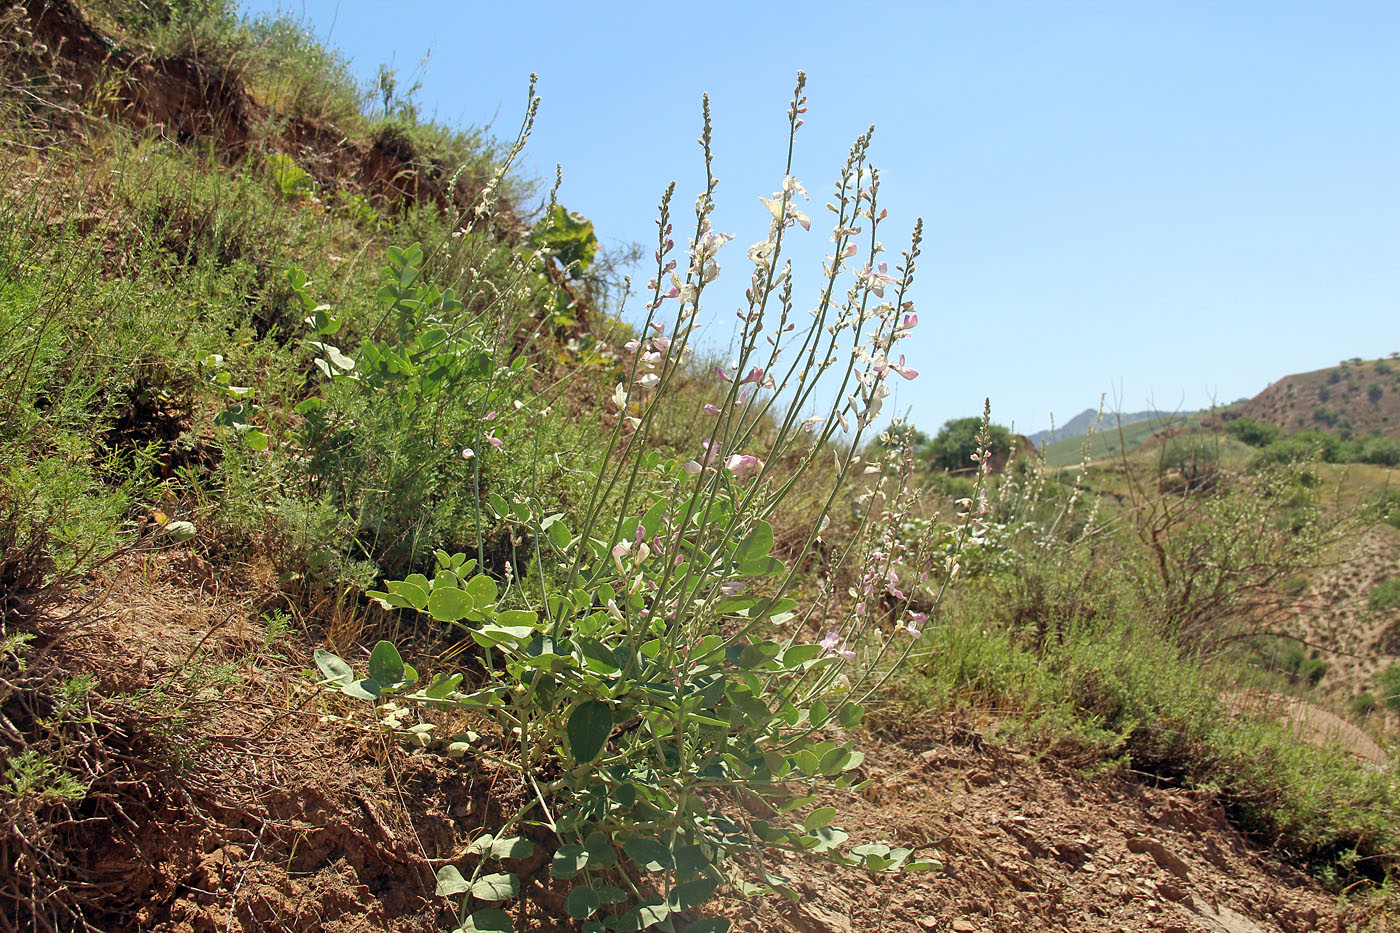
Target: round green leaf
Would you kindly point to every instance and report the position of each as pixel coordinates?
(499, 886)
(588, 729)
(449, 604)
(821, 816)
(490, 920)
(450, 881)
(335, 669)
(582, 903)
(385, 663)
(648, 853)
(513, 847)
(568, 861)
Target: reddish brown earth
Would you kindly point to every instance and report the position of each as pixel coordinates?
(222, 799)
(1364, 396)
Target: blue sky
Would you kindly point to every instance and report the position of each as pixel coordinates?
(1171, 201)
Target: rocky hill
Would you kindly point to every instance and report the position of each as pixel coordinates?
(1356, 397)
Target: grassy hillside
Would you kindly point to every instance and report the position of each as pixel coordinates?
(1110, 439)
(358, 566)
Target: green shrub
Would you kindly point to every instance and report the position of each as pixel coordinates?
(1380, 450)
(1364, 704)
(1388, 687)
(952, 448)
(1254, 433)
(1384, 595)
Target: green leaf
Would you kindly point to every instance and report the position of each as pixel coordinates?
(308, 405)
(367, 689)
(498, 886)
(450, 881)
(829, 838)
(690, 895)
(334, 356)
(588, 728)
(568, 862)
(648, 914)
(482, 589)
(762, 567)
(481, 844)
(511, 618)
(385, 664)
(821, 816)
(513, 847)
(416, 595)
(689, 860)
(648, 853)
(449, 604)
(798, 655)
(757, 545)
(611, 894)
(324, 322)
(442, 687)
(921, 865)
(597, 657)
(601, 853)
(834, 761)
(255, 439)
(490, 920)
(582, 903)
(850, 715)
(335, 669)
(558, 533)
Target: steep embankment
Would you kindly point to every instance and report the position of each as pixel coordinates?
(232, 797)
(1356, 397)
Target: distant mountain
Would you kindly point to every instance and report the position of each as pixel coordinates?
(1081, 424)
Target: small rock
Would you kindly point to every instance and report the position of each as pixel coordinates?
(1163, 856)
(1171, 891)
(928, 923)
(964, 926)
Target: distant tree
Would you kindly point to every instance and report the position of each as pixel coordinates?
(1374, 392)
(956, 442)
(1254, 433)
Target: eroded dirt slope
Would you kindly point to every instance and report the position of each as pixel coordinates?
(223, 799)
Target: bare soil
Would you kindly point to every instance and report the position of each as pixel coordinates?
(226, 794)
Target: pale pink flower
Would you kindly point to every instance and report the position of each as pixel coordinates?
(649, 381)
(492, 439)
(742, 465)
(712, 409)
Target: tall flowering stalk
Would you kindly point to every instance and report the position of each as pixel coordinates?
(668, 660)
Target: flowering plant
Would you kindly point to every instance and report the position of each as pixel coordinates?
(663, 694)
